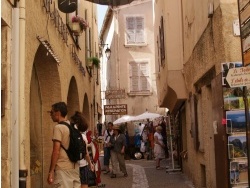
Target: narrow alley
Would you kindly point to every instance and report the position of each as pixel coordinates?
(142, 174)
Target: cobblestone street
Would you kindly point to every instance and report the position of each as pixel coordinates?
(142, 174)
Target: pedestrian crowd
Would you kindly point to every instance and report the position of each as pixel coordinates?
(84, 170)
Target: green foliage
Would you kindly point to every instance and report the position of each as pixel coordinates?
(95, 61)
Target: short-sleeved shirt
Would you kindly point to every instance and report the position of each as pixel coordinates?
(159, 136)
(107, 137)
(61, 134)
(83, 162)
(118, 142)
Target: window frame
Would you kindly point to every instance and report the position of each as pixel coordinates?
(137, 34)
(139, 91)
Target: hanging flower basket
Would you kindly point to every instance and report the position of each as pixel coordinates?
(78, 25)
(93, 61)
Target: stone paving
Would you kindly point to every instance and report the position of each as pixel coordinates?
(142, 174)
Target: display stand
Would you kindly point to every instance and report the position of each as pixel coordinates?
(172, 166)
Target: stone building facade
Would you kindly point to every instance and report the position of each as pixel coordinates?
(131, 66)
(44, 61)
(197, 37)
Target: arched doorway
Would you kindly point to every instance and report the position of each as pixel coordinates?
(45, 89)
(85, 108)
(73, 98)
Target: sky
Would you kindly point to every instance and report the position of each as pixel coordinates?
(101, 10)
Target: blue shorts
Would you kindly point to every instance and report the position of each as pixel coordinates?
(84, 175)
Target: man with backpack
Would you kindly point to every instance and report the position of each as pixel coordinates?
(63, 172)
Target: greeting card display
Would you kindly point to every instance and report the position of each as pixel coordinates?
(237, 147)
(236, 121)
(238, 172)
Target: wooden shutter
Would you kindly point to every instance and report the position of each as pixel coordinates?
(134, 77)
(130, 30)
(139, 30)
(135, 30)
(144, 76)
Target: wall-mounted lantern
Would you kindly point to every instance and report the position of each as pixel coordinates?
(108, 52)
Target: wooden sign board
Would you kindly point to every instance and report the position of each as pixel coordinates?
(245, 14)
(246, 44)
(246, 58)
(245, 30)
(115, 94)
(238, 77)
(115, 109)
(242, 3)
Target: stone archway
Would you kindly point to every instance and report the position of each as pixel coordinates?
(85, 108)
(73, 98)
(45, 89)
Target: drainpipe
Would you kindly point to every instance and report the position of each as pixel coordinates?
(23, 171)
(14, 98)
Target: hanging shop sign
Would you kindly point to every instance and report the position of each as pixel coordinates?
(67, 6)
(246, 44)
(115, 109)
(115, 94)
(238, 77)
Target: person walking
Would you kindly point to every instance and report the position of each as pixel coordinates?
(62, 172)
(159, 152)
(107, 135)
(81, 123)
(118, 144)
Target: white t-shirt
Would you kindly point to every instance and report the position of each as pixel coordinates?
(83, 162)
(159, 136)
(106, 137)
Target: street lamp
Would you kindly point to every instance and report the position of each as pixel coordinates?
(108, 53)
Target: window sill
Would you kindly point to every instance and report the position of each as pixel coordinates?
(136, 44)
(145, 93)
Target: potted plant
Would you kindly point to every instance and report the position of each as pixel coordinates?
(94, 61)
(78, 25)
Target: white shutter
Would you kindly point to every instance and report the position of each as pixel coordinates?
(134, 84)
(139, 76)
(139, 30)
(134, 68)
(144, 76)
(144, 83)
(134, 76)
(144, 69)
(130, 30)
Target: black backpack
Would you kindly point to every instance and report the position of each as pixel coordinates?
(77, 146)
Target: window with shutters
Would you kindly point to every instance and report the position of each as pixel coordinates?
(139, 77)
(135, 30)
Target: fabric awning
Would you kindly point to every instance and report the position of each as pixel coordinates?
(111, 2)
